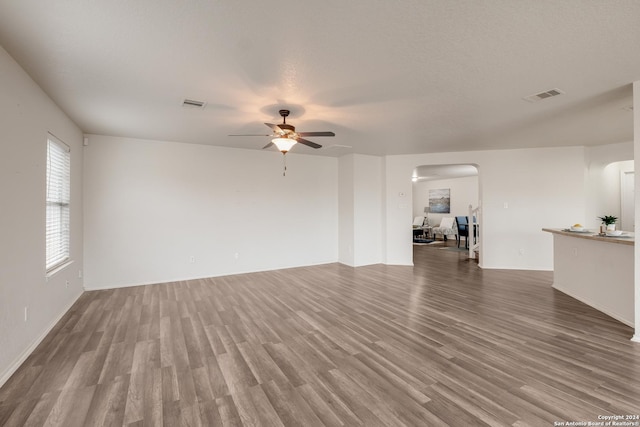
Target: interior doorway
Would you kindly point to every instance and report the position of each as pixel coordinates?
(443, 192)
(613, 193)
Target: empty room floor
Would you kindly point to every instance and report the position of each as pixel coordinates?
(441, 343)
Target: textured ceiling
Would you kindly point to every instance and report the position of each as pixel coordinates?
(388, 77)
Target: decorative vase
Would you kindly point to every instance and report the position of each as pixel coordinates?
(611, 227)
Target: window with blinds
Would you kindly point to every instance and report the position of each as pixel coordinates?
(58, 202)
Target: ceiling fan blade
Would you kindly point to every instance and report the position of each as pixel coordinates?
(275, 128)
(316, 134)
(308, 143)
(268, 145)
(250, 134)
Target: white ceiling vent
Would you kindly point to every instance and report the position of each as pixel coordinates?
(190, 103)
(543, 95)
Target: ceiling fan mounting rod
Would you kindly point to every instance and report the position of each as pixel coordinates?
(284, 114)
(287, 131)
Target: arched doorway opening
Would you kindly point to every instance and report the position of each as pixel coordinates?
(612, 190)
(442, 192)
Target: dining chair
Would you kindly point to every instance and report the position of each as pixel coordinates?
(462, 223)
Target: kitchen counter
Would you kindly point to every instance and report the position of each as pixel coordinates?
(597, 270)
(627, 238)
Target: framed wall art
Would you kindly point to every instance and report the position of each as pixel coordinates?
(440, 200)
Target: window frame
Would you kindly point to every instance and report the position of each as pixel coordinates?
(57, 205)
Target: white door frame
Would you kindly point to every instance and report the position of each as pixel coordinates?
(627, 200)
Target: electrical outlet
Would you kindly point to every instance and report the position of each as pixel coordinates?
(192, 259)
(521, 252)
(237, 255)
(26, 313)
(66, 283)
(79, 274)
(506, 205)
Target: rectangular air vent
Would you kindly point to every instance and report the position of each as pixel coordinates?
(543, 95)
(190, 103)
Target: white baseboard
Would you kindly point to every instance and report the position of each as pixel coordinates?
(27, 352)
(511, 267)
(636, 337)
(184, 279)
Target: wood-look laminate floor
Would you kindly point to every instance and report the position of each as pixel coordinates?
(442, 343)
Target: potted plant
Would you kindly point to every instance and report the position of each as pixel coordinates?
(609, 221)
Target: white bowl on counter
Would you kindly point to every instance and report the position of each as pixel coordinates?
(613, 233)
(576, 228)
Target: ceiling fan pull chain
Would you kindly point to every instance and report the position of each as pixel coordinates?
(284, 164)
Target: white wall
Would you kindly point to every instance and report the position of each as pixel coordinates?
(360, 200)
(367, 227)
(603, 180)
(541, 188)
(150, 206)
(26, 115)
(346, 202)
(464, 191)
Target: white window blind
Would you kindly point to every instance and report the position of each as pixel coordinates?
(58, 201)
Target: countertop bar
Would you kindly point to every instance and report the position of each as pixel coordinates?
(595, 236)
(596, 270)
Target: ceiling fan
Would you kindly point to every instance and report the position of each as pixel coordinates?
(285, 135)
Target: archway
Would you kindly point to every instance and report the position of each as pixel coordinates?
(458, 183)
(610, 191)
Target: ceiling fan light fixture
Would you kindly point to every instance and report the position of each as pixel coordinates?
(284, 144)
